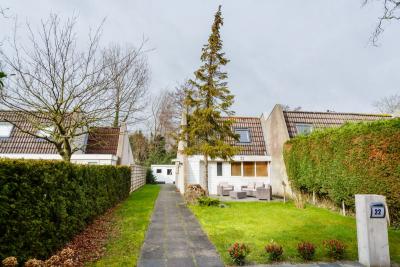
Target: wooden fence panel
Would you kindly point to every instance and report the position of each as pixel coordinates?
(138, 177)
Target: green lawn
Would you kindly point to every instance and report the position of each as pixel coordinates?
(132, 219)
(257, 223)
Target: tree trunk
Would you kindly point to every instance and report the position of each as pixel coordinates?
(314, 198)
(206, 174)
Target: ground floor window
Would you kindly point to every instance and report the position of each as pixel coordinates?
(236, 169)
(262, 168)
(158, 171)
(169, 171)
(250, 169)
(219, 168)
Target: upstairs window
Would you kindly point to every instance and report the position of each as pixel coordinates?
(46, 132)
(5, 129)
(303, 128)
(244, 135)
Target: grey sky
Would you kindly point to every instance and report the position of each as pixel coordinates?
(313, 53)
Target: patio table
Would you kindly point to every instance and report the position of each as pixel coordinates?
(237, 194)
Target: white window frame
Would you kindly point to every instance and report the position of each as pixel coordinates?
(247, 131)
(8, 129)
(311, 127)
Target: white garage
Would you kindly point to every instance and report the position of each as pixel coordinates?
(164, 173)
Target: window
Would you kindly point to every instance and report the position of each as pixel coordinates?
(248, 169)
(169, 171)
(244, 135)
(236, 169)
(158, 171)
(46, 131)
(303, 128)
(219, 168)
(5, 129)
(261, 168)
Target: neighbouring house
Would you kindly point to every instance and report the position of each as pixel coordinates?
(251, 165)
(164, 173)
(103, 145)
(281, 125)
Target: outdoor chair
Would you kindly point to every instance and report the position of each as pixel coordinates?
(224, 188)
(251, 188)
(264, 193)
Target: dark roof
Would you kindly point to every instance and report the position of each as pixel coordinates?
(20, 142)
(103, 140)
(321, 120)
(256, 146)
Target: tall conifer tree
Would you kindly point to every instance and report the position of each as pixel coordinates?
(210, 99)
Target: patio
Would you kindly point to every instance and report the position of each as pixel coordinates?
(253, 191)
(246, 199)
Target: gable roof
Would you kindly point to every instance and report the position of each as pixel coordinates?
(256, 146)
(101, 140)
(320, 120)
(20, 142)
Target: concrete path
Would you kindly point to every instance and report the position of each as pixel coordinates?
(174, 237)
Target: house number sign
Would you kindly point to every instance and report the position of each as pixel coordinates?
(377, 210)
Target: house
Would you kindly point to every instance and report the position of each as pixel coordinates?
(251, 165)
(283, 125)
(103, 145)
(164, 173)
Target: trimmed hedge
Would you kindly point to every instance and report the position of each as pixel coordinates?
(43, 204)
(359, 158)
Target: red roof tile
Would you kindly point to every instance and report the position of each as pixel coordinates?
(325, 119)
(256, 146)
(103, 140)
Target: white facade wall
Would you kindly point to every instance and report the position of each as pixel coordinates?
(196, 172)
(164, 176)
(95, 159)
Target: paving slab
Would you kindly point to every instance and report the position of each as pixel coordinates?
(174, 237)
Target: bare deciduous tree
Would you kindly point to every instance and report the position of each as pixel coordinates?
(130, 75)
(57, 87)
(391, 11)
(389, 104)
(166, 113)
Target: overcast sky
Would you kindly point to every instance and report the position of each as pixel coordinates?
(314, 54)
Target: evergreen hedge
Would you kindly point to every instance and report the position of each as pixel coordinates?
(358, 158)
(43, 204)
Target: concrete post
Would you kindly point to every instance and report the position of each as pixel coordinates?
(372, 233)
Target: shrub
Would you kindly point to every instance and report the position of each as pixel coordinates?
(274, 251)
(208, 201)
(9, 262)
(150, 178)
(306, 250)
(358, 158)
(238, 253)
(335, 249)
(43, 204)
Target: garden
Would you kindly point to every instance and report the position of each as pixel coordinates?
(306, 234)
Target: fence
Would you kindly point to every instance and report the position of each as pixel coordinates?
(138, 177)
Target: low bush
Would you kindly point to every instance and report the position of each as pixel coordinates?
(150, 178)
(357, 158)
(238, 253)
(335, 249)
(43, 204)
(274, 251)
(208, 201)
(306, 250)
(10, 262)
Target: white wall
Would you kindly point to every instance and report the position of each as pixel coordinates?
(163, 176)
(96, 159)
(236, 181)
(196, 171)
